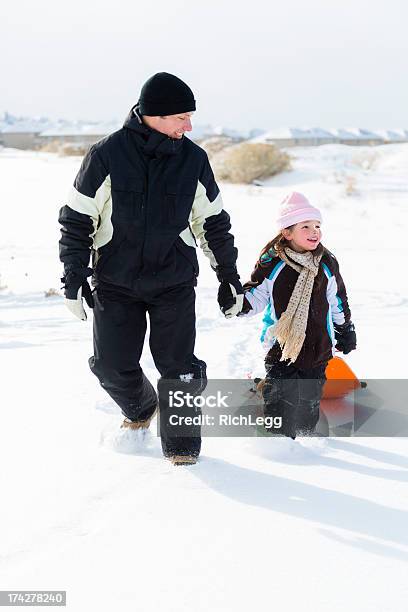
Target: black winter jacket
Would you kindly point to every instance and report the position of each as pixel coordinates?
(140, 202)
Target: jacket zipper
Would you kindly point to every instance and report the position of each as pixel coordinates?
(144, 213)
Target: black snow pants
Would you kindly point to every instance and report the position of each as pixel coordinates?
(294, 395)
(119, 329)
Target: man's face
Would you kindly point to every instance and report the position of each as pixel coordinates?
(173, 126)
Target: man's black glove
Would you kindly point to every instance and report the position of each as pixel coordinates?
(345, 336)
(230, 296)
(75, 288)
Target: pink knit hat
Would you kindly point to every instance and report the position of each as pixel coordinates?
(296, 208)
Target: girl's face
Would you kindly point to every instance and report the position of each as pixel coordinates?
(305, 236)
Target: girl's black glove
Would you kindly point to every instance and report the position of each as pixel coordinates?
(345, 336)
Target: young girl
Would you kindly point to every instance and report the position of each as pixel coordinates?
(307, 315)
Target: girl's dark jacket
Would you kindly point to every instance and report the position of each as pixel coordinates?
(140, 202)
(271, 286)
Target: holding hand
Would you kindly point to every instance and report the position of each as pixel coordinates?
(76, 286)
(346, 337)
(231, 297)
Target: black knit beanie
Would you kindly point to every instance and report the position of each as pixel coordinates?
(165, 94)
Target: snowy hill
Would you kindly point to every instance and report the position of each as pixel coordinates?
(310, 525)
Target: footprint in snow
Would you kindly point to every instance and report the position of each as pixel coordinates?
(131, 442)
(288, 450)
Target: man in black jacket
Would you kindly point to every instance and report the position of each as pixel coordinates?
(142, 198)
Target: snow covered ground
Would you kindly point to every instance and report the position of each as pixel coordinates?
(257, 523)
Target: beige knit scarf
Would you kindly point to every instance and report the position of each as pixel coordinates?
(290, 330)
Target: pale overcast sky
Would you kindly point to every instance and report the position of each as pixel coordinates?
(250, 64)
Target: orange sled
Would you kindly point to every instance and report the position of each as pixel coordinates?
(340, 379)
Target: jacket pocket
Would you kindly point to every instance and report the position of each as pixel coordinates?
(104, 256)
(189, 253)
(127, 198)
(179, 199)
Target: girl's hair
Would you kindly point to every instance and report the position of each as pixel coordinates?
(278, 244)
